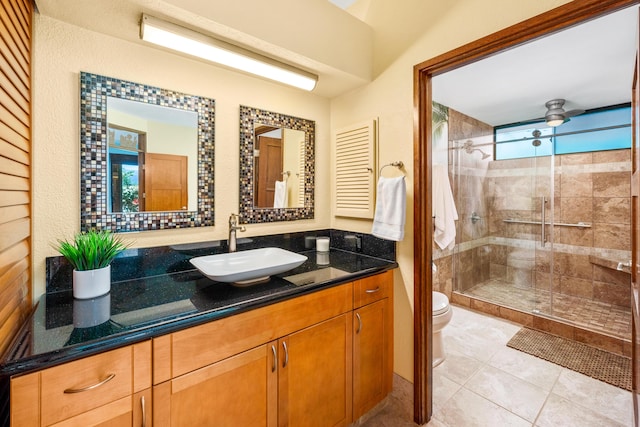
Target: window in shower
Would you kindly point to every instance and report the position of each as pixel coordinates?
(596, 130)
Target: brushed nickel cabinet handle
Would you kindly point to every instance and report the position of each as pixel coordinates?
(373, 291)
(91, 387)
(359, 323)
(274, 366)
(286, 354)
(144, 412)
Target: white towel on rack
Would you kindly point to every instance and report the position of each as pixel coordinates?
(444, 208)
(280, 195)
(388, 222)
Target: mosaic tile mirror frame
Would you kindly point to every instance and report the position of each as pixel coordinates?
(249, 118)
(94, 212)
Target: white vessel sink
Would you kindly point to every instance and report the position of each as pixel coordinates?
(247, 267)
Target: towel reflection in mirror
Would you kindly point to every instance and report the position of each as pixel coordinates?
(280, 197)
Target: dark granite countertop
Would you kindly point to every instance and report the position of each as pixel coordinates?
(62, 328)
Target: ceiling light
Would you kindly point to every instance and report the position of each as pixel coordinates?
(556, 115)
(554, 120)
(183, 40)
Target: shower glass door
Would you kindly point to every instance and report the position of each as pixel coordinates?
(505, 252)
(524, 177)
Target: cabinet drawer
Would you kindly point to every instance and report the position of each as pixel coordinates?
(85, 384)
(371, 289)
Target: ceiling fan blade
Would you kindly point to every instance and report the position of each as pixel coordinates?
(572, 113)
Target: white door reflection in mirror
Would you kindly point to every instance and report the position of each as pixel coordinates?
(152, 157)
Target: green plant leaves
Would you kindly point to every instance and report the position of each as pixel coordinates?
(91, 250)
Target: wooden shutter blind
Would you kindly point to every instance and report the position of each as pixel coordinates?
(15, 165)
(355, 170)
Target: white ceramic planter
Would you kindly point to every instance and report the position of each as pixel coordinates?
(91, 283)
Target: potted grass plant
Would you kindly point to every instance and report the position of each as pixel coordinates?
(90, 253)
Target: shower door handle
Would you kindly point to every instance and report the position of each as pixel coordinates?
(543, 234)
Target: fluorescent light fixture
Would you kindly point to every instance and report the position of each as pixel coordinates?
(187, 41)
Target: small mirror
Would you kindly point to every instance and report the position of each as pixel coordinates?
(146, 156)
(276, 166)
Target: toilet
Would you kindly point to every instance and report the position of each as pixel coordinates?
(441, 316)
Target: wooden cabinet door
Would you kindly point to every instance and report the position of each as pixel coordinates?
(314, 382)
(238, 391)
(372, 369)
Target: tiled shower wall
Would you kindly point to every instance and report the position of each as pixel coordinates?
(592, 188)
(467, 174)
(589, 187)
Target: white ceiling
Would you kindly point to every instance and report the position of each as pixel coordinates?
(589, 65)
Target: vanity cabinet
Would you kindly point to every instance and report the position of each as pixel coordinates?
(109, 389)
(372, 341)
(287, 364)
(303, 379)
(319, 359)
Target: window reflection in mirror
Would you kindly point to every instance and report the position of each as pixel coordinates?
(279, 160)
(150, 148)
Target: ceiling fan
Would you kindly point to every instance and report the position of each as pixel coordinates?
(555, 115)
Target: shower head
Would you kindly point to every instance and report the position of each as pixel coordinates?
(469, 148)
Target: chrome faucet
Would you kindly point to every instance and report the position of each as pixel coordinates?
(233, 227)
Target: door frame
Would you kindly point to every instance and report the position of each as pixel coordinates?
(557, 19)
(635, 232)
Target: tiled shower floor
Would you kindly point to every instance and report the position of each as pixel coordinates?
(601, 317)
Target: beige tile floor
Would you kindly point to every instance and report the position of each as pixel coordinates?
(485, 383)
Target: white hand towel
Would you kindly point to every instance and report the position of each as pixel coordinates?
(280, 195)
(444, 208)
(388, 222)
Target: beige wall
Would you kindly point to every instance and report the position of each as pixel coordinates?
(62, 51)
(390, 98)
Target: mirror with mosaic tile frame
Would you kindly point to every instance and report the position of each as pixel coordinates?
(300, 202)
(98, 151)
